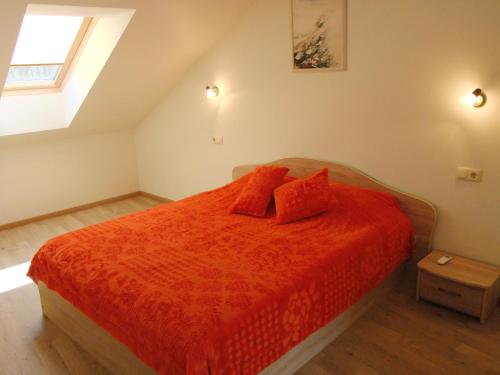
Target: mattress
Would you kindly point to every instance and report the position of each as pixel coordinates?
(192, 289)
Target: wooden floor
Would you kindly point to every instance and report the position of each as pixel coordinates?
(399, 336)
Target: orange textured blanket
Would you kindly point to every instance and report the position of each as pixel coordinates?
(192, 289)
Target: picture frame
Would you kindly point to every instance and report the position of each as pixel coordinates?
(319, 35)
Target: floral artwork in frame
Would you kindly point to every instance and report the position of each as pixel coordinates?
(319, 35)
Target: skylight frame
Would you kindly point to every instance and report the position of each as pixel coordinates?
(20, 89)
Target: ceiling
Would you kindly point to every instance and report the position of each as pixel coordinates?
(162, 41)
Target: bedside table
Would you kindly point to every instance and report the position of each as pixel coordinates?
(462, 284)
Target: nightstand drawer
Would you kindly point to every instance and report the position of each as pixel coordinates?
(449, 293)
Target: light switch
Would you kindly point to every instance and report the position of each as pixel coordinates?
(217, 140)
(469, 174)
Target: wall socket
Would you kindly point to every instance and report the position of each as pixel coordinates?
(469, 174)
(217, 140)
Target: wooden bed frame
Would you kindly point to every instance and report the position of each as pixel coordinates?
(117, 358)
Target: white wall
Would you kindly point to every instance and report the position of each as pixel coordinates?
(395, 114)
(41, 178)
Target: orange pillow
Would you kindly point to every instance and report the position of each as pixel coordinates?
(255, 196)
(303, 197)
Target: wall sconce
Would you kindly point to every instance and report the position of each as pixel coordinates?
(478, 98)
(212, 91)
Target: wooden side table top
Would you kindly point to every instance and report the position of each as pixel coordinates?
(462, 270)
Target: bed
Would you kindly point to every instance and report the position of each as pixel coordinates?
(186, 288)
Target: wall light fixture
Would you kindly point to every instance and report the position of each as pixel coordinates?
(478, 98)
(212, 91)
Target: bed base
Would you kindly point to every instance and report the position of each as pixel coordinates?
(118, 359)
(107, 350)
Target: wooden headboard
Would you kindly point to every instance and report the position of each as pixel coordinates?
(421, 212)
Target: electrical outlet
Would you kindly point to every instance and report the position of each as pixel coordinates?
(469, 174)
(217, 140)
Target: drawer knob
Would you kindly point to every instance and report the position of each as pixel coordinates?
(450, 293)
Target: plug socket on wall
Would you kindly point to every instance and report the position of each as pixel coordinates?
(217, 140)
(469, 174)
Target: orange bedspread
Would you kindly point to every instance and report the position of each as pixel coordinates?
(188, 287)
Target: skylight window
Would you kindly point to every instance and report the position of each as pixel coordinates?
(44, 51)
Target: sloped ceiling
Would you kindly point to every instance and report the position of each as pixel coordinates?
(164, 38)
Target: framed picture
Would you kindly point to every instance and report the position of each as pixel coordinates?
(319, 32)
